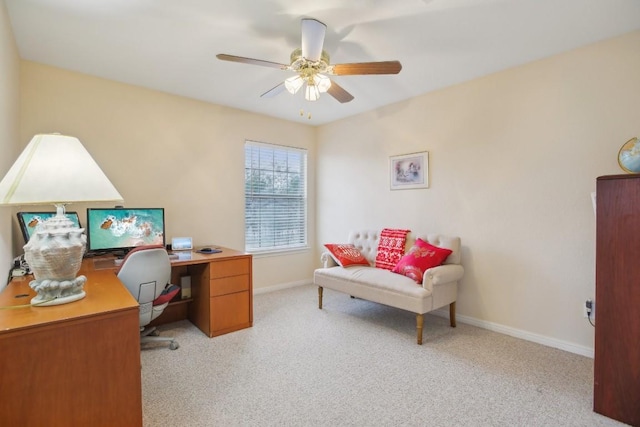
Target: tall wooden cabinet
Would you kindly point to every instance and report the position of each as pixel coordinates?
(617, 335)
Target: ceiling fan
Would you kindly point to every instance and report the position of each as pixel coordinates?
(311, 65)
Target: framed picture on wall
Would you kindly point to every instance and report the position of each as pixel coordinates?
(409, 171)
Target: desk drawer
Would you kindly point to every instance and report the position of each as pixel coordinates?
(230, 313)
(229, 285)
(232, 267)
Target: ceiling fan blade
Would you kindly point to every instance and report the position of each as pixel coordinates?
(313, 32)
(244, 60)
(339, 93)
(274, 91)
(384, 67)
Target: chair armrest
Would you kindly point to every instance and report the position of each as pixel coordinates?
(327, 260)
(442, 274)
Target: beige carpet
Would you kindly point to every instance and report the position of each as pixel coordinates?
(356, 363)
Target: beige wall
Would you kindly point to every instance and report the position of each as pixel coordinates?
(167, 151)
(9, 105)
(513, 159)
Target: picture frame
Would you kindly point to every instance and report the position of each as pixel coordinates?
(409, 171)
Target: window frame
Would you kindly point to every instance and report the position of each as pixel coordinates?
(299, 243)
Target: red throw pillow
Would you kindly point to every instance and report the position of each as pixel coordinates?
(421, 257)
(346, 254)
(390, 247)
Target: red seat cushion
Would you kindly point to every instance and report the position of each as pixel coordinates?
(167, 295)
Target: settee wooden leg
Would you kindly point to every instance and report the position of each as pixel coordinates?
(320, 297)
(452, 314)
(419, 325)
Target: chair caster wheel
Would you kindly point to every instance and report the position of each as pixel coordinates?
(174, 345)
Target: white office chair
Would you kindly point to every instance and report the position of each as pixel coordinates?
(146, 272)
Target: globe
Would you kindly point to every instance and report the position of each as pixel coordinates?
(629, 156)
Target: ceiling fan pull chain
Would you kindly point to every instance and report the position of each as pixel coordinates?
(302, 114)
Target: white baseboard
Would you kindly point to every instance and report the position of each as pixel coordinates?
(518, 333)
(495, 327)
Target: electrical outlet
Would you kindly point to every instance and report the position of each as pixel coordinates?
(589, 309)
(585, 311)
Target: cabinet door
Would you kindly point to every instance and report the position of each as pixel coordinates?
(230, 313)
(83, 371)
(617, 335)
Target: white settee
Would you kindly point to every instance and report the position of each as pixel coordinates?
(439, 286)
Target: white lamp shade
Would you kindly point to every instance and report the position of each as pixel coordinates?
(54, 169)
(311, 92)
(322, 82)
(293, 84)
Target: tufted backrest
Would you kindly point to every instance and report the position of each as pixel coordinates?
(366, 241)
(440, 241)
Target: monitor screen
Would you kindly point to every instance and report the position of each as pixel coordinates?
(29, 221)
(113, 229)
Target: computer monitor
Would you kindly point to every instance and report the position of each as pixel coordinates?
(29, 221)
(122, 229)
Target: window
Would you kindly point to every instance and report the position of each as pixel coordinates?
(275, 188)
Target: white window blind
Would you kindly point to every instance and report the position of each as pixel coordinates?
(275, 214)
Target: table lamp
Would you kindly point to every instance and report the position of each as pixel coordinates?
(56, 169)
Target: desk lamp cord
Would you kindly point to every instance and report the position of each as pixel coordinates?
(11, 307)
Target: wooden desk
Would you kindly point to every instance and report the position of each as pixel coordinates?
(76, 364)
(221, 290)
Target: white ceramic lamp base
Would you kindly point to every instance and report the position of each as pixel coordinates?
(54, 254)
(54, 292)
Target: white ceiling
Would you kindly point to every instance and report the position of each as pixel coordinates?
(170, 45)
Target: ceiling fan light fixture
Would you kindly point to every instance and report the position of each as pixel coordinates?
(311, 92)
(322, 82)
(293, 84)
(310, 64)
